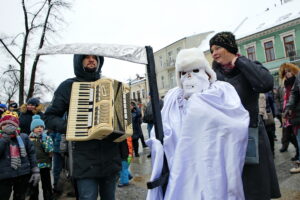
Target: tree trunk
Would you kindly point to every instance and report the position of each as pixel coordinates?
(37, 57)
(23, 56)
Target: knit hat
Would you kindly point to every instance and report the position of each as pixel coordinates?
(36, 121)
(14, 105)
(9, 119)
(225, 40)
(33, 101)
(189, 59)
(3, 106)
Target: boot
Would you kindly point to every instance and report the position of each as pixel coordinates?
(283, 150)
(295, 169)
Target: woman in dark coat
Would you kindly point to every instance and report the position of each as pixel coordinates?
(136, 126)
(288, 73)
(32, 107)
(249, 79)
(291, 108)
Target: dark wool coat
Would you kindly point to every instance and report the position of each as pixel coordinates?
(25, 117)
(294, 101)
(249, 79)
(148, 115)
(136, 123)
(27, 163)
(93, 158)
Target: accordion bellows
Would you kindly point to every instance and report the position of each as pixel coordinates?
(99, 110)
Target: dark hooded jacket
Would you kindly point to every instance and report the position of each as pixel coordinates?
(249, 79)
(93, 158)
(27, 163)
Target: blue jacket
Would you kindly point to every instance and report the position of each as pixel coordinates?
(27, 163)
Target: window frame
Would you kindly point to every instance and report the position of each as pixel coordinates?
(263, 42)
(286, 34)
(247, 46)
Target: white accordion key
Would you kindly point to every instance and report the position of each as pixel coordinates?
(90, 114)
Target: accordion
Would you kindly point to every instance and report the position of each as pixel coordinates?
(99, 110)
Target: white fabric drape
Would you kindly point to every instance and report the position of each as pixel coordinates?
(205, 140)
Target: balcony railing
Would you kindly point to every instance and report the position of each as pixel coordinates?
(294, 55)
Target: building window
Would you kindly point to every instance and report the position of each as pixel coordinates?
(143, 93)
(269, 51)
(171, 61)
(138, 96)
(251, 53)
(161, 61)
(288, 41)
(178, 49)
(162, 82)
(289, 45)
(172, 79)
(134, 96)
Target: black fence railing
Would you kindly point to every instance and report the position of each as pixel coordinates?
(294, 55)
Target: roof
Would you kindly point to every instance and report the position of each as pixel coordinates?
(136, 81)
(260, 22)
(198, 34)
(270, 18)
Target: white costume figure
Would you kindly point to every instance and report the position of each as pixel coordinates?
(205, 135)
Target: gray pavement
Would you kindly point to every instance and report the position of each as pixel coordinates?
(289, 183)
(141, 170)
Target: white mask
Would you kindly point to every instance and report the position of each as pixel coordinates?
(193, 82)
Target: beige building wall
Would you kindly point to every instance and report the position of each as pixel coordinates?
(139, 92)
(165, 61)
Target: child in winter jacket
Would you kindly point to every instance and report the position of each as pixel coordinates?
(125, 175)
(44, 148)
(17, 160)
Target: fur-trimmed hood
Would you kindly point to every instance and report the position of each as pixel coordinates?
(288, 67)
(39, 108)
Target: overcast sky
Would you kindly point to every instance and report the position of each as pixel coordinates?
(136, 22)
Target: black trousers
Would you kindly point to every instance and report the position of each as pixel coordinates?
(135, 144)
(46, 185)
(18, 185)
(287, 137)
(143, 140)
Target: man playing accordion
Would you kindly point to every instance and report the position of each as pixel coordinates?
(96, 163)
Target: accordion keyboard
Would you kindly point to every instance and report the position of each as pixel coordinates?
(98, 109)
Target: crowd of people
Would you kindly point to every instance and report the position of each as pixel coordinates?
(43, 139)
(233, 96)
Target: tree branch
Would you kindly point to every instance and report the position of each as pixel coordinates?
(9, 51)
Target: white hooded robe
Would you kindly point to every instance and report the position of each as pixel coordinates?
(205, 141)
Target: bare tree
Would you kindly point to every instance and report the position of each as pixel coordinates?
(10, 82)
(40, 19)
